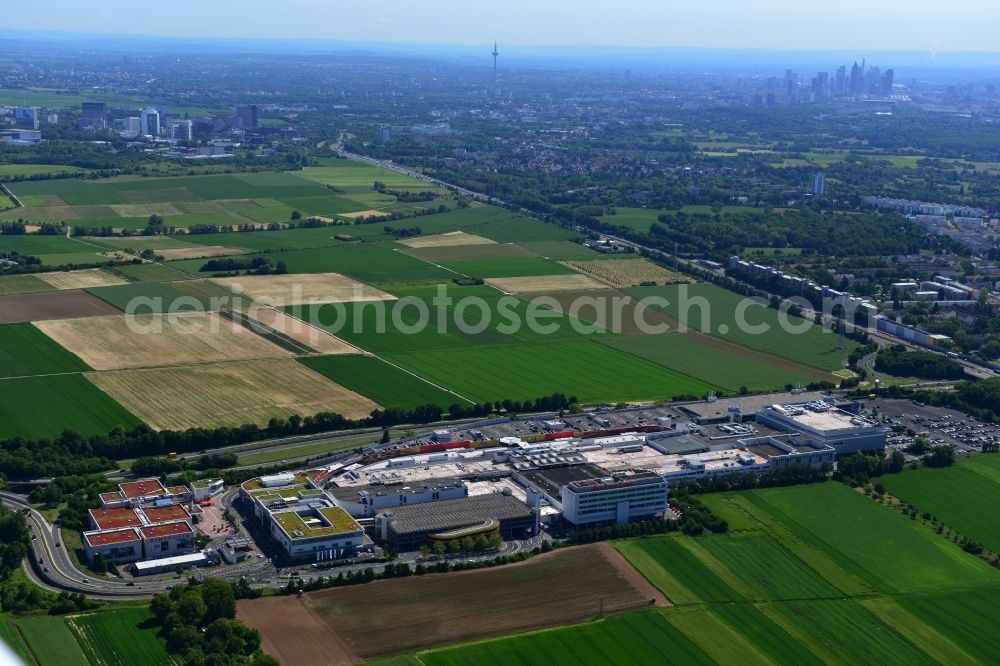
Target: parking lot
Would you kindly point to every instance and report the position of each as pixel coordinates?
(940, 424)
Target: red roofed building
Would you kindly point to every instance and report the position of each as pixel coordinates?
(112, 519)
(117, 546)
(144, 488)
(167, 539)
(164, 514)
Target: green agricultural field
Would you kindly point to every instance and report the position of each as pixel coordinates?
(22, 284)
(719, 312)
(561, 250)
(139, 243)
(53, 250)
(961, 496)
(501, 268)
(280, 239)
(9, 636)
(967, 619)
(49, 640)
(592, 372)
(634, 638)
(25, 351)
(150, 273)
(120, 637)
(677, 571)
(353, 176)
(514, 228)
(387, 327)
(383, 383)
(8, 170)
(886, 549)
(27, 406)
(160, 297)
(729, 369)
(636, 219)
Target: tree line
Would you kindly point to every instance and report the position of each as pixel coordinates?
(72, 453)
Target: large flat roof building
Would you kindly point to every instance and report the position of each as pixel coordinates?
(409, 527)
(821, 421)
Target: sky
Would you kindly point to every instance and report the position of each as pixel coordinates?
(917, 25)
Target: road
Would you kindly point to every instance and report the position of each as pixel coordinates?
(49, 566)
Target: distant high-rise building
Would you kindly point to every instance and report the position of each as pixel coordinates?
(26, 116)
(384, 135)
(887, 81)
(150, 121)
(133, 126)
(247, 116)
(819, 184)
(180, 130)
(857, 81)
(841, 80)
(95, 115)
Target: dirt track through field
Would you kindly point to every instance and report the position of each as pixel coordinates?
(562, 587)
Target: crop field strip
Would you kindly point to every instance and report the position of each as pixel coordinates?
(318, 288)
(382, 382)
(142, 341)
(40, 306)
(621, 272)
(813, 347)
(27, 405)
(26, 351)
(228, 394)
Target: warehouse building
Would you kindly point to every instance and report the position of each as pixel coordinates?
(824, 423)
(406, 528)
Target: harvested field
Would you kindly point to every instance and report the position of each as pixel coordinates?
(301, 332)
(52, 305)
(228, 394)
(446, 240)
(145, 209)
(110, 343)
(626, 272)
(470, 252)
(199, 252)
(362, 213)
(544, 283)
(347, 625)
(93, 277)
(281, 290)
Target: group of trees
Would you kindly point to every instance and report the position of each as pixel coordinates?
(256, 266)
(198, 621)
(896, 360)
(785, 475)
(74, 454)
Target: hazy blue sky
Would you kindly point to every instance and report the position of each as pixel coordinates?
(923, 25)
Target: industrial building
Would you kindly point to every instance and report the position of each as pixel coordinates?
(302, 519)
(821, 421)
(407, 528)
(565, 469)
(366, 501)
